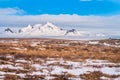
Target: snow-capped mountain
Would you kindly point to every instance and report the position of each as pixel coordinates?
(26, 29)
(48, 29)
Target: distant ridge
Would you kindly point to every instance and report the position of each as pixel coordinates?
(48, 29)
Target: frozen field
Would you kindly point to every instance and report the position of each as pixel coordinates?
(57, 69)
(48, 59)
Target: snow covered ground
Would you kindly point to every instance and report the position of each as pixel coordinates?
(116, 44)
(75, 60)
(51, 68)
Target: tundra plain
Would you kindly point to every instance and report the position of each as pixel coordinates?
(57, 59)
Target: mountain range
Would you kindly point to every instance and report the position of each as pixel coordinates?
(48, 29)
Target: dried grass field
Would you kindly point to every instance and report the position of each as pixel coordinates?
(55, 59)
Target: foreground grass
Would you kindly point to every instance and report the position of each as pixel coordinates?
(61, 48)
(30, 50)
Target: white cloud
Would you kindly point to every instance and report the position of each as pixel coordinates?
(8, 16)
(10, 11)
(90, 20)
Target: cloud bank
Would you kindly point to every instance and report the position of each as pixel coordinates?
(10, 16)
(11, 11)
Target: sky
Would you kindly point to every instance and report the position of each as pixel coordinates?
(55, 7)
(81, 14)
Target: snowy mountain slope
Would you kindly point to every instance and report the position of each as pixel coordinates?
(48, 29)
(51, 30)
(26, 29)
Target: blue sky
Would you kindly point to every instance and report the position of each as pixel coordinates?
(80, 7)
(97, 15)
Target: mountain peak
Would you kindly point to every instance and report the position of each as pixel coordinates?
(50, 26)
(29, 26)
(49, 23)
(47, 29)
(9, 30)
(26, 29)
(73, 31)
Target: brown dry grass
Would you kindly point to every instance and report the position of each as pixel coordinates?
(10, 77)
(96, 75)
(53, 49)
